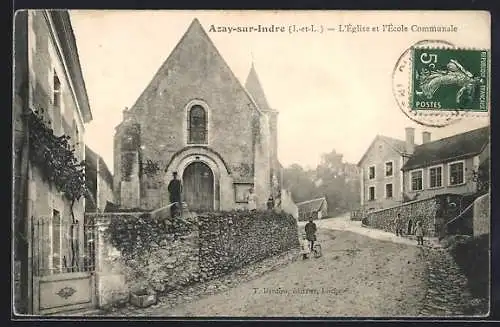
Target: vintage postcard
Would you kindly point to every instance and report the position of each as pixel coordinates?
(251, 164)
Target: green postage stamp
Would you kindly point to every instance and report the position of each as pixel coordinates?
(450, 79)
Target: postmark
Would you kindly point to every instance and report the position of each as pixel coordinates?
(436, 83)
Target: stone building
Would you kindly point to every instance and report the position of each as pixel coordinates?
(380, 173)
(394, 171)
(50, 100)
(446, 165)
(99, 181)
(197, 119)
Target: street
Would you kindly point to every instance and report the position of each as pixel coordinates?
(356, 276)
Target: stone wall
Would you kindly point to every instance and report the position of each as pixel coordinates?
(231, 240)
(481, 215)
(421, 210)
(175, 257)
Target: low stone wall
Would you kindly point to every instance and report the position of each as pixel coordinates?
(144, 251)
(422, 210)
(230, 240)
(481, 215)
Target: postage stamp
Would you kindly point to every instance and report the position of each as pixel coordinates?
(449, 79)
(437, 83)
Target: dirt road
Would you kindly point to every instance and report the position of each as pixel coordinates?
(356, 276)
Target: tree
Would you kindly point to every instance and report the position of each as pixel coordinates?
(300, 182)
(333, 178)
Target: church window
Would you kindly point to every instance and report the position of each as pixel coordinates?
(197, 125)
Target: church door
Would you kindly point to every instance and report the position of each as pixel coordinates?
(198, 183)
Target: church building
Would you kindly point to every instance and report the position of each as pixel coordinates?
(197, 119)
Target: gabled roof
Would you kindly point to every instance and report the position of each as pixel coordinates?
(255, 89)
(194, 32)
(455, 147)
(395, 144)
(311, 205)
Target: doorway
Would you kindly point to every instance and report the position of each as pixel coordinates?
(198, 180)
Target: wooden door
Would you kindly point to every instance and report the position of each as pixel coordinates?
(198, 182)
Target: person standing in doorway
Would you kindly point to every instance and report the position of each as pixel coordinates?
(252, 199)
(310, 229)
(175, 190)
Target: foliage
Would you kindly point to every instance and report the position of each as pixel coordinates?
(55, 156)
(150, 168)
(131, 138)
(127, 165)
(482, 177)
(472, 256)
(333, 178)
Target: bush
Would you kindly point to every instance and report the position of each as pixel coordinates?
(472, 256)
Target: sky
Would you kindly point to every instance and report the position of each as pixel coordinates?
(333, 90)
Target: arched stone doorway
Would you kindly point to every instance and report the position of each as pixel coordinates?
(198, 184)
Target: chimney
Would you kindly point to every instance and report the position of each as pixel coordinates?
(410, 139)
(426, 137)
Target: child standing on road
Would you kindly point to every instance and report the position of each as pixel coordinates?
(305, 248)
(419, 232)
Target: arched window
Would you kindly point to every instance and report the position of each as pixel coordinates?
(197, 125)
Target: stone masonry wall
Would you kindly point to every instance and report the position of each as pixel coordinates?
(235, 239)
(422, 210)
(214, 244)
(481, 215)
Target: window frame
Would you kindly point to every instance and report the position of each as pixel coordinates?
(442, 176)
(53, 269)
(374, 193)
(187, 122)
(392, 191)
(421, 170)
(385, 168)
(463, 172)
(374, 172)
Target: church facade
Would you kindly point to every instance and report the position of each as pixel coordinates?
(196, 118)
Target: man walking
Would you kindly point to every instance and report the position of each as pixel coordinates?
(310, 229)
(175, 190)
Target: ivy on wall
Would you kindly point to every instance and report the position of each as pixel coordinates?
(127, 165)
(55, 157)
(150, 168)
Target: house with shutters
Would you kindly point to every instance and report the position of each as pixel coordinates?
(197, 119)
(394, 171)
